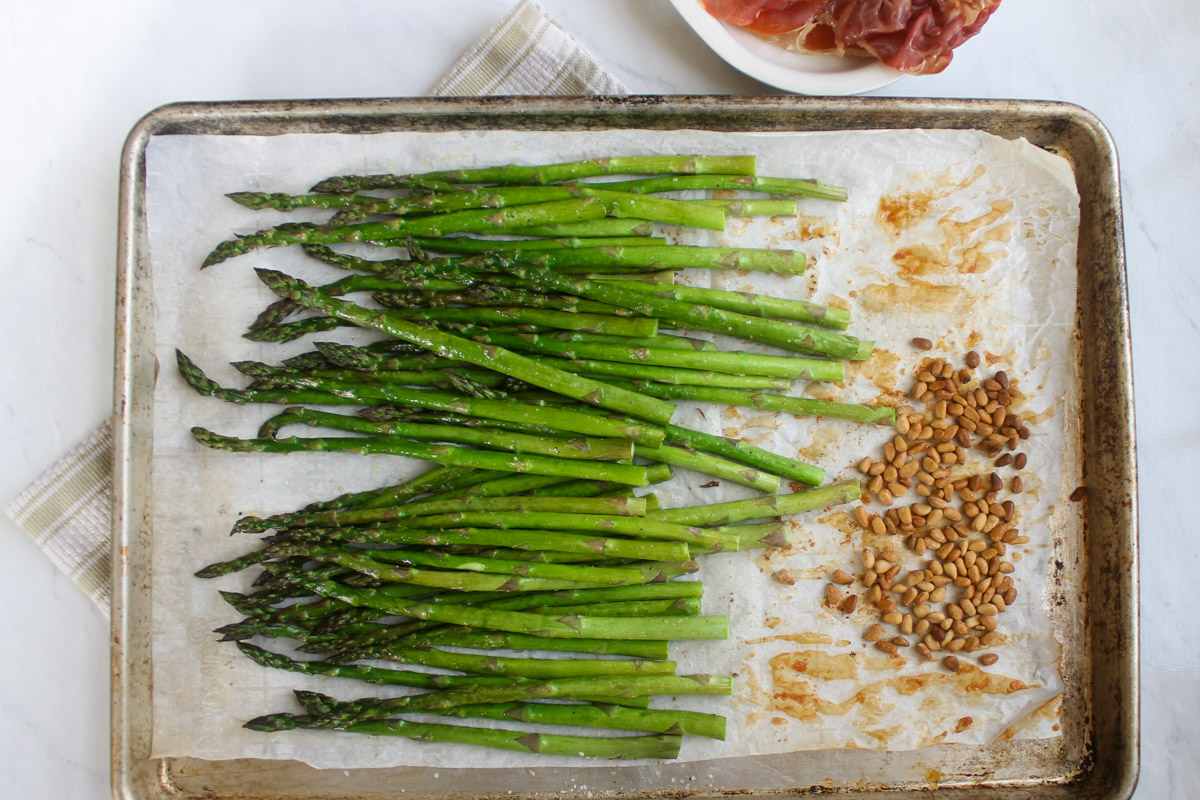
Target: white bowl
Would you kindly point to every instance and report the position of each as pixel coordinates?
(784, 69)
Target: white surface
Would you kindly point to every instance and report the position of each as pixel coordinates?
(78, 75)
(782, 68)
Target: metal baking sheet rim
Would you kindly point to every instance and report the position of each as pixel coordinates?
(1098, 755)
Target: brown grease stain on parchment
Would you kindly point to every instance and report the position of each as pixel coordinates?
(966, 247)
(882, 369)
(798, 638)
(956, 251)
(795, 694)
(843, 523)
(823, 439)
(900, 211)
(1049, 711)
(922, 298)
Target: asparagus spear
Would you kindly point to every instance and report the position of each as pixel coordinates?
(615, 506)
(588, 449)
(379, 564)
(368, 646)
(663, 257)
(382, 675)
(478, 220)
(480, 459)
(570, 627)
(614, 369)
(522, 539)
(731, 362)
(667, 721)
(456, 636)
(615, 686)
(791, 187)
(757, 305)
(779, 505)
(513, 174)
(498, 359)
(711, 465)
(544, 317)
(335, 393)
(753, 208)
(732, 449)
(804, 406)
(637, 527)
(607, 227)
(708, 318)
(619, 747)
(440, 477)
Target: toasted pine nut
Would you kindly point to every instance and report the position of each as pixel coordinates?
(841, 577)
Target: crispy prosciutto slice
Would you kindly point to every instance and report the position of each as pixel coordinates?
(914, 36)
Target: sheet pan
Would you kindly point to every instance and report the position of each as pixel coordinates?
(1096, 756)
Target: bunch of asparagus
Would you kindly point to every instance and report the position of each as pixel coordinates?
(537, 370)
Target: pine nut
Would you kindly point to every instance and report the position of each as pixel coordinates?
(849, 604)
(987, 659)
(874, 633)
(950, 663)
(841, 577)
(887, 647)
(833, 595)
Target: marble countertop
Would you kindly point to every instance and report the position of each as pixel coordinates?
(78, 75)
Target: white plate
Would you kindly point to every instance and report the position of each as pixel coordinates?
(784, 69)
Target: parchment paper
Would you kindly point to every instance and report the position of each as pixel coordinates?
(986, 233)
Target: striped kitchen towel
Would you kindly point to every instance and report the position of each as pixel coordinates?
(68, 509)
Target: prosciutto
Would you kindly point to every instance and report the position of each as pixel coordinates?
(914, 36)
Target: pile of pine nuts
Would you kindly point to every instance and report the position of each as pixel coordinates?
(960, 527)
